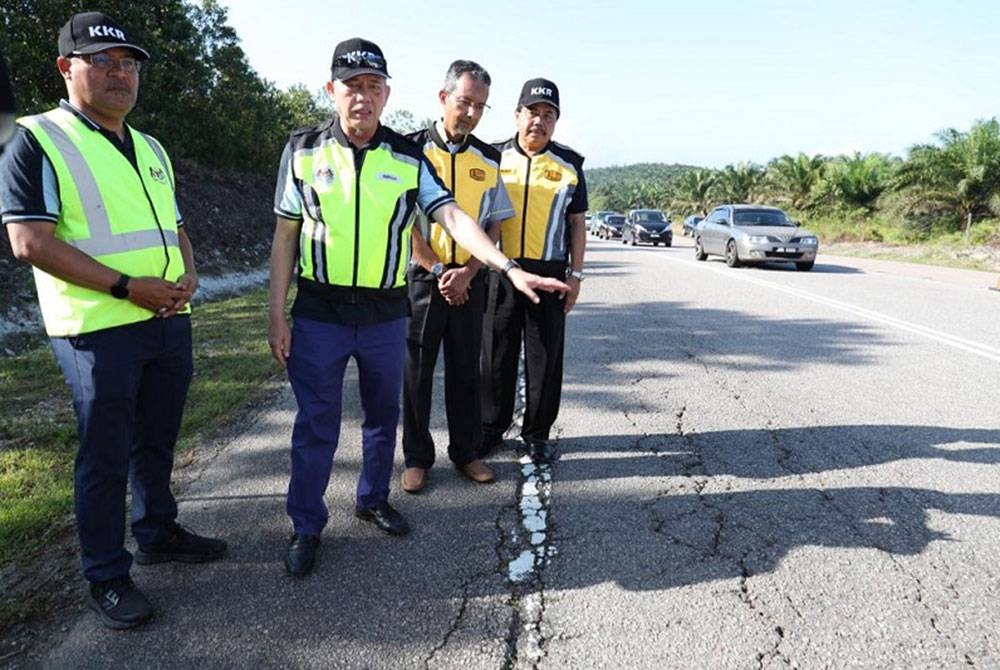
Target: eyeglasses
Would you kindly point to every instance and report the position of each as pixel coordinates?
(104, 62)
(360, 59)
(465, 103)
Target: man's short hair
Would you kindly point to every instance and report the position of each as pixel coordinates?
(460, 67)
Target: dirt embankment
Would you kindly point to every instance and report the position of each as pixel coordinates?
(229, 218)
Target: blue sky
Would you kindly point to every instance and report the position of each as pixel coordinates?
(703, 82)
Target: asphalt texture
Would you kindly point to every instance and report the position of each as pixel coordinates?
(754, 468)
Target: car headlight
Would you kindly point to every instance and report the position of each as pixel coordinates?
(809, 241)
(758, 239)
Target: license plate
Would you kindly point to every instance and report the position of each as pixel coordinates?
(784, 250)
(654, 236)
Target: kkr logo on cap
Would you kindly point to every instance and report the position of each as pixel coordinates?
(107, 31)
(477, 174)
(541, 90)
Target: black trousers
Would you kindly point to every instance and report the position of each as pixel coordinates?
(433, 322)
(510, 316)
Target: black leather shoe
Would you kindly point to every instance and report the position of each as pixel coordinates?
(301, 555)
(183, 546)
(539, 450)
(119, 603)
(385, 517)
(489, 444)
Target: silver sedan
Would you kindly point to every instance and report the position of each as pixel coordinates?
(744, 234)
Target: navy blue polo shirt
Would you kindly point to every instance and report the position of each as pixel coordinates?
(29, 190)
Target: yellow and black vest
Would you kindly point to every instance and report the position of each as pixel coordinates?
(357, 206)
(122, 216)
(471, 174)
(543, 188)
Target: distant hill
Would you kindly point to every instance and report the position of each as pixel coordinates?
(631, 186)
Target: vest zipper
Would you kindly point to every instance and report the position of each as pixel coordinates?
(524, 213)
(359, 159)
(454, 255)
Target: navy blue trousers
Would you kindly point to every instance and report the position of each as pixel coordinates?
(129, 385)
(316, 365)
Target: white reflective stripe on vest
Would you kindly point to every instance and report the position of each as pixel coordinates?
(102, 241)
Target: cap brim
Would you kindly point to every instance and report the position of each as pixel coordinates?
(354, 72)
(528, 102)
(104, 46)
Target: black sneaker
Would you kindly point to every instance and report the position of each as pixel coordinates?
(119, 603)
(183, 546)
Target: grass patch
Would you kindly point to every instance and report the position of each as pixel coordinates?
(233, 369)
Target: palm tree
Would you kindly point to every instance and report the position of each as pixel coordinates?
(739, 183)
(858, 181)
(792, 180)
(694, 190)
(961, 176)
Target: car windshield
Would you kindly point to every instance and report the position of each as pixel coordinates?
(762, 217)
(616, 221)
(648, 216)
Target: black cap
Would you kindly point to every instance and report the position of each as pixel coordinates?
(539, 90)
(357, 56)
(90, 32)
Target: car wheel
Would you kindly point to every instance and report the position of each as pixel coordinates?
(805, 267)
(732, 257)
(656, 244)
(699, 251)
(667, 244)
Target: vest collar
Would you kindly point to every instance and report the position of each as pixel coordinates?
(517, 147)
(440, 138)
(341, 137)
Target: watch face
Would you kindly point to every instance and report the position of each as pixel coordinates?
(119, 292)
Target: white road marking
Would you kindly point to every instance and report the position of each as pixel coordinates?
(954, 341)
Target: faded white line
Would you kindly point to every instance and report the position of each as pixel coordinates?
(954, 341)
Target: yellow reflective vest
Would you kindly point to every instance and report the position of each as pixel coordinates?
(471, 174)
(357, 206)
(543, 188)
(122, 216)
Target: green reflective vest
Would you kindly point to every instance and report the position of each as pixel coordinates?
(356, 219)
(123, 218)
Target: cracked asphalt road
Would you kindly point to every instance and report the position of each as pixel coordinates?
(754, 472)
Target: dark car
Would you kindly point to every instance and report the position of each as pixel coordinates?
(754, 234)
(594, 220)
(690, 225)
(610, 226)
(647, 226)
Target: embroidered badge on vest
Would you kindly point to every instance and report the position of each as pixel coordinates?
(157, 174)
(478, 174)
(553, 175)
(324, 175)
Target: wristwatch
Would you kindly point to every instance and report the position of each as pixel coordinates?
(575, 274)
(508, 266)
(120, 289)
(437, 269)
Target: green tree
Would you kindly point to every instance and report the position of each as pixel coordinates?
(694, 190)
(739, 183)
(857, 182)
(960, 175)
(792, 180)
